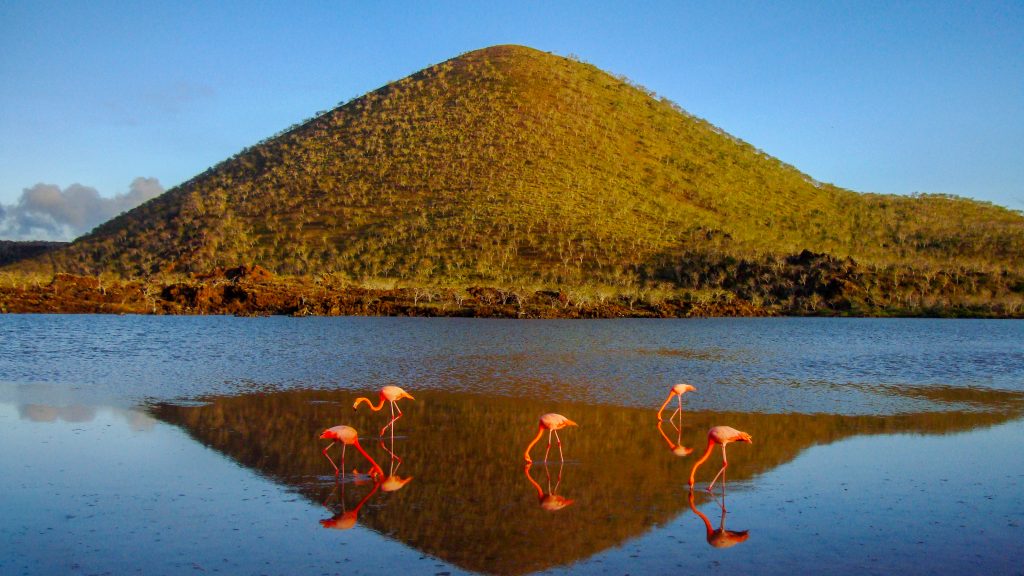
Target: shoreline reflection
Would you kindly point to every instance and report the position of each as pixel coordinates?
(468, 506)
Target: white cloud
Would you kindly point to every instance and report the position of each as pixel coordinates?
(45, 212)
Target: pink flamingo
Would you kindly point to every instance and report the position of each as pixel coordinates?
(346, 435)
(551, 423)
(678, 390)
(390, 394)
(721, 435)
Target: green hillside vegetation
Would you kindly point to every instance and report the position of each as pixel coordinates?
(513, 167)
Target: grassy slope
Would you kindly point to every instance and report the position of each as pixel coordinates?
(511, 165)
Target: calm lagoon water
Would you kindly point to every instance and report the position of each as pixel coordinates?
(189, 444)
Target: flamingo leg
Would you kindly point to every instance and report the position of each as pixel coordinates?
(678, 429)
(663, 404)
(391, 423)
(546, 452)
(725, 464)
(721, 501)
(723, 495)
(334, 493)
(390, 451)
(678, 410)
(547, 473)
(328, 456)
(560, 456)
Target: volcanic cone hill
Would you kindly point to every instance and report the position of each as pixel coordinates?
(508, 165)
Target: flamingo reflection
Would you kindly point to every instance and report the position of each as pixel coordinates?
(392, 481)
(549, 500)
(551, 423)
(346, 519)
(390, 394)
(676, 448)
(677, 391)
(346, 435)
(720, 538)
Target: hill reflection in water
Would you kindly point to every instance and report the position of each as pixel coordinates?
(471, 503)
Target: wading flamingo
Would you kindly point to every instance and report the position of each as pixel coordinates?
(678, 390)
(346, 435)
(390, 394)
(551, 423)
(720, 538)
(720, 435)
(549, 501)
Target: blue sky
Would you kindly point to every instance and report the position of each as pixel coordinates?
(872, 96)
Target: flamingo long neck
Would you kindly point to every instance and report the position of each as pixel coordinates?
(366, 498)
(540, 432)
(540, 491)
(376, 467)
(707, 521)
(671, 445)
(707, 454)
(665, 403)
(370, 403)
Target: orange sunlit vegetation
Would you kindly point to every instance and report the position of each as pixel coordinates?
(470, 503)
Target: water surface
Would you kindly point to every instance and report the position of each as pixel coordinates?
(880, 446)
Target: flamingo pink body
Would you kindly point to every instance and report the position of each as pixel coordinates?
(348, 436)
(552, 423)
(676, 391)
(720, 435)
(390, 394)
